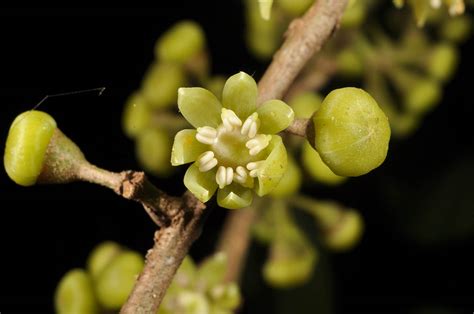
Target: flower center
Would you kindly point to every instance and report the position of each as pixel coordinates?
(235, 148)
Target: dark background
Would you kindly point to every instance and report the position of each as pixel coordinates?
(419, 206)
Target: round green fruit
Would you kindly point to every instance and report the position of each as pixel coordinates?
(350, 132)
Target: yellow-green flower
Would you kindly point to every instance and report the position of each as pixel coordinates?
(234, 146)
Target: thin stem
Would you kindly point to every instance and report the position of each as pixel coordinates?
(305, 37)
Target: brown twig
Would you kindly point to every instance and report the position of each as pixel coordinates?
(181, 218)
(304, 39)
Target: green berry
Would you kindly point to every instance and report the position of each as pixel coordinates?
(443, 61)
(153, 150)
(351, 132)
(317, 168)
(161, 83)
(136, 115)
(117, 280)
(101, 256)
(74, 294)
(27, 142)
(181, 42)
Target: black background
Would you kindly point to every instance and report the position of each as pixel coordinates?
(46, 230)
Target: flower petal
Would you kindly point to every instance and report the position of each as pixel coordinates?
(240, 95)
(186, 148)
(234, 196)
(273, 168)
(199, 106)
(275, 116)
(202, 184)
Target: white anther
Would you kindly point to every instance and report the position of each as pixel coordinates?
(258, 143)
(207, 161)
(435, 4)
(230, 119)
(254, 167)
(224, 176)
(241, 174)
(229, 175)
(206, 135)
(250, 126)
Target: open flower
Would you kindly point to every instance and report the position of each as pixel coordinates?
(233, 146)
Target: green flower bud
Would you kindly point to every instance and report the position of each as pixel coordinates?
(36, 151)
(136, 115)
(317, 168)
(181, 42)
(346, 233)
(404, 125)
(350, 64)
(117, 280)
(161, 83)
(225, 296)
(212, 271)
(74, 294)
(350, 132)
(101, 256)
(423, 95)
(262, 36)
(456, 29)
(354, 15)
(443, 61)
(153, 150)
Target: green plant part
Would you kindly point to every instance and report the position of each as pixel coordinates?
(350, 64)
(181, 43)
(265, 8)
(350, 132)
(233, 147)
(101, 256)
(136, 116)
(116, 281)
(291, 181)
(341, 228)
(153, 150)
(456, 29)
(354, 15)
(36, 151)
(305, 104)
(317, 168)
(292, 257)
(201, 289)
(74, 294)
(421, 8)
(28, 139)
(422, 96)
(160, 84)
(294, 7)
(443, 61)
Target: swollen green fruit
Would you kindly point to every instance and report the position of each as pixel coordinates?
(74, 294)
(117, 280)
(101, 256)
(350, 132)
(38, 152)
